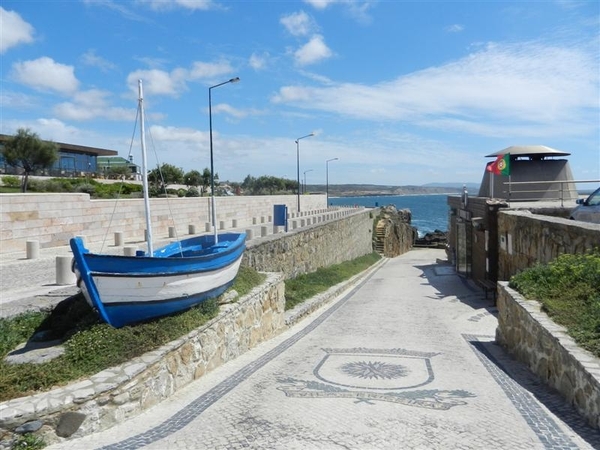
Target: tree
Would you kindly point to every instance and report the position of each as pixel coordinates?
(192, 179)
(206, 180)
(119, 171)
(164, 175)
(27, 151)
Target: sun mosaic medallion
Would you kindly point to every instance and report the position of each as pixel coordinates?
(368, 375)
(374, 369)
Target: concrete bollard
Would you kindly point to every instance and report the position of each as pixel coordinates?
(221, 225)
(118, 238)
(171, 232)
(207, 227)
(33, 249)
(264, 231)
(64, 274)
(249, 234)
(191, 229)
(129, 251)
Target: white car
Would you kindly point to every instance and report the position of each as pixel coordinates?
(588, 210)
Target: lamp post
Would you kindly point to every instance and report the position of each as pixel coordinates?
(305, 172)
(212, 167)
(327, 179)
(298, 164)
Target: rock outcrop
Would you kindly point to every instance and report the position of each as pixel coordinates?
(394, 234)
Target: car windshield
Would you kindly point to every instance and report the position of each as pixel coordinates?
(594, 199)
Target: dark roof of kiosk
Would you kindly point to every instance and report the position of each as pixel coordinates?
(528, 150)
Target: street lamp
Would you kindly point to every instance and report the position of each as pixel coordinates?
(212, 167)
(327, 178)
(298, 164)
(305, 172)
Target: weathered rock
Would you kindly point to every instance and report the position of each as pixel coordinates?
(29, 427)
(69, 423)
(394, 234)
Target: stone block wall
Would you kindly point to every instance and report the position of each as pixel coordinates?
(532, 338)
(52, 219)
(526, 239)
(312, 247)
(119, 393)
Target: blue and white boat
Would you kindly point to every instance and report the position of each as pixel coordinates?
(129, 289)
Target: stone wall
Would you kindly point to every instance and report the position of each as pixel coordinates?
(312, 247)
(52, 219)
(526, 239)
(119, 393)
(532, 338)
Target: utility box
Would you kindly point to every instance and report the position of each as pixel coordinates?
(280, 214)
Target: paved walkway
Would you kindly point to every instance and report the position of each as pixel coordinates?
(406, 360)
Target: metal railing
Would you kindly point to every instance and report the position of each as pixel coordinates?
(560, 192)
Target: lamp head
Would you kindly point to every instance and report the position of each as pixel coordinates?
(235, 80)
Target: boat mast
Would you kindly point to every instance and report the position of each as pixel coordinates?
(145, 171)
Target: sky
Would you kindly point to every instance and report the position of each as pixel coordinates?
(400, 92)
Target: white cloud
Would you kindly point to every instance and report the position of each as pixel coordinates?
(228, 109)
(46, 74)
(158, 82)
(258, 62)
(455, 28)
(510, 84)
(92, 104)
(90, 58)
(173, 83)
(202, 70)
(14, 30)
(356, 9)
(159, 5)
(313, 51)
(298, 24)
(320, 4)
(175, 134)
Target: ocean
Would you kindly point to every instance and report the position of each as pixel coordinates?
(429, 212)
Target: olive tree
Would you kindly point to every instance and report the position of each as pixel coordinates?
(27, 151)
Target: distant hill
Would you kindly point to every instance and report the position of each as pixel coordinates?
(356, 190)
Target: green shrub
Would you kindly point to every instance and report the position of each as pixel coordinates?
(308, 285)
(192, 192)
(29, 441)
(11, 181)
(90, 345)
(569, 290)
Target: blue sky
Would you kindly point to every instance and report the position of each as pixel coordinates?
(400, 92)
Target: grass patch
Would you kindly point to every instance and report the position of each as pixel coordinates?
(308, 285)
(569, 290)
(90, 345)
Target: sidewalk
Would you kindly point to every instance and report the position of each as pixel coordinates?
(406, 360)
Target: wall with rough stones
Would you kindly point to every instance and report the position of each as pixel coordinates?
(526, 239)
(119, 393)
(52, 219)
(532, 338)
(313, 246)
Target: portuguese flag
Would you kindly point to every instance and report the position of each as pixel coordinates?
(501, 166)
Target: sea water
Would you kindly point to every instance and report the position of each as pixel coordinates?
(429, 212)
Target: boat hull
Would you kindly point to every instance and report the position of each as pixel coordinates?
(127, 290)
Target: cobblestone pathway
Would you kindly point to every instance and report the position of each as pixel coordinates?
(407, 360)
